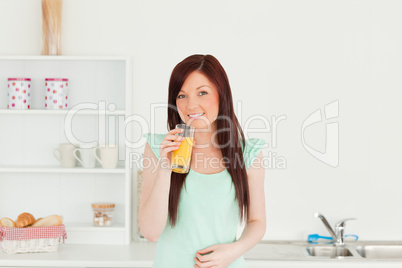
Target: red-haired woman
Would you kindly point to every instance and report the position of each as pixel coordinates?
(196, 225)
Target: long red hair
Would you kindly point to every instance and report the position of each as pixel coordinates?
(209, 66)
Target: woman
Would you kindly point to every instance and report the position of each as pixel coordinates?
(196, 225)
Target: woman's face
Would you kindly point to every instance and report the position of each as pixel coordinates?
(198, 95)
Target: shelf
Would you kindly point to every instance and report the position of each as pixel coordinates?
(59, 112)
(59, 169)
(86, 233)
(88, 227)
(72, 58)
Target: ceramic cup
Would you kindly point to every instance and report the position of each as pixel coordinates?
(108, 156)
(66, 157)
(85, 156)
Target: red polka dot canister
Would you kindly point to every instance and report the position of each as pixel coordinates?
(19, 93)
(56, 97)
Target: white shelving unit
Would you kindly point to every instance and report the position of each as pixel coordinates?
(31, 178)
(56, 169)
(57, 112)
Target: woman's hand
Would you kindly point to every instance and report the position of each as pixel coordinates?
(221, 257)
(170, 142)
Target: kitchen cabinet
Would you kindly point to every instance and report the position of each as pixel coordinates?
(32, 179)
(321, 264)
(140, 254)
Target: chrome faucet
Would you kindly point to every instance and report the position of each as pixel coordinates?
(339, 235)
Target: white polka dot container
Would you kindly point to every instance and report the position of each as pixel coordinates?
(56, 97)
(19, 93)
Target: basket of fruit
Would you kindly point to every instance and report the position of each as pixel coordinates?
(27, 234)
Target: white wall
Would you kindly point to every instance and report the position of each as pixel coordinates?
(285, 58)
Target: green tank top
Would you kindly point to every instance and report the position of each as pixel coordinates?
(208, 213)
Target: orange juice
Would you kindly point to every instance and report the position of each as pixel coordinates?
(182, 156)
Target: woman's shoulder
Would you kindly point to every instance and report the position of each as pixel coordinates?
(251, 149)
(154, 140)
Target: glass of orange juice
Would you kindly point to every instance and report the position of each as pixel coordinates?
(181, 157)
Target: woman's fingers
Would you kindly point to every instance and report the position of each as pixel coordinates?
(175, 131)
(172, 137)
(168, 149)
(171, 142)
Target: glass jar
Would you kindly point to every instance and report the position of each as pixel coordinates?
(103, 214)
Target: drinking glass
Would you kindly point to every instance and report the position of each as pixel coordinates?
(181, 157)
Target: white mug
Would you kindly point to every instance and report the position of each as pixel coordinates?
(87, 157)
(108, 156)
(66, 158)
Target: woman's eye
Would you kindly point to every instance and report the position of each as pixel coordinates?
(182, 96)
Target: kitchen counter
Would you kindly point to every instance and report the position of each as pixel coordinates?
(140, 254)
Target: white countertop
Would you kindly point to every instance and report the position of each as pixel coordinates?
(140, 254)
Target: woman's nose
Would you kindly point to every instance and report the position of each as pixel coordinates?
(192, 104)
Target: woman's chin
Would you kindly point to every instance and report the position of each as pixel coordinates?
(201, 125)
(198, 123)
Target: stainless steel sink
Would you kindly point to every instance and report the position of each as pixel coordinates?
(380, 251)
(365, 251)
(329, 251)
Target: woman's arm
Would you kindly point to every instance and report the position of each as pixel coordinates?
(154, 205)
(153, 211)
(256, 225)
